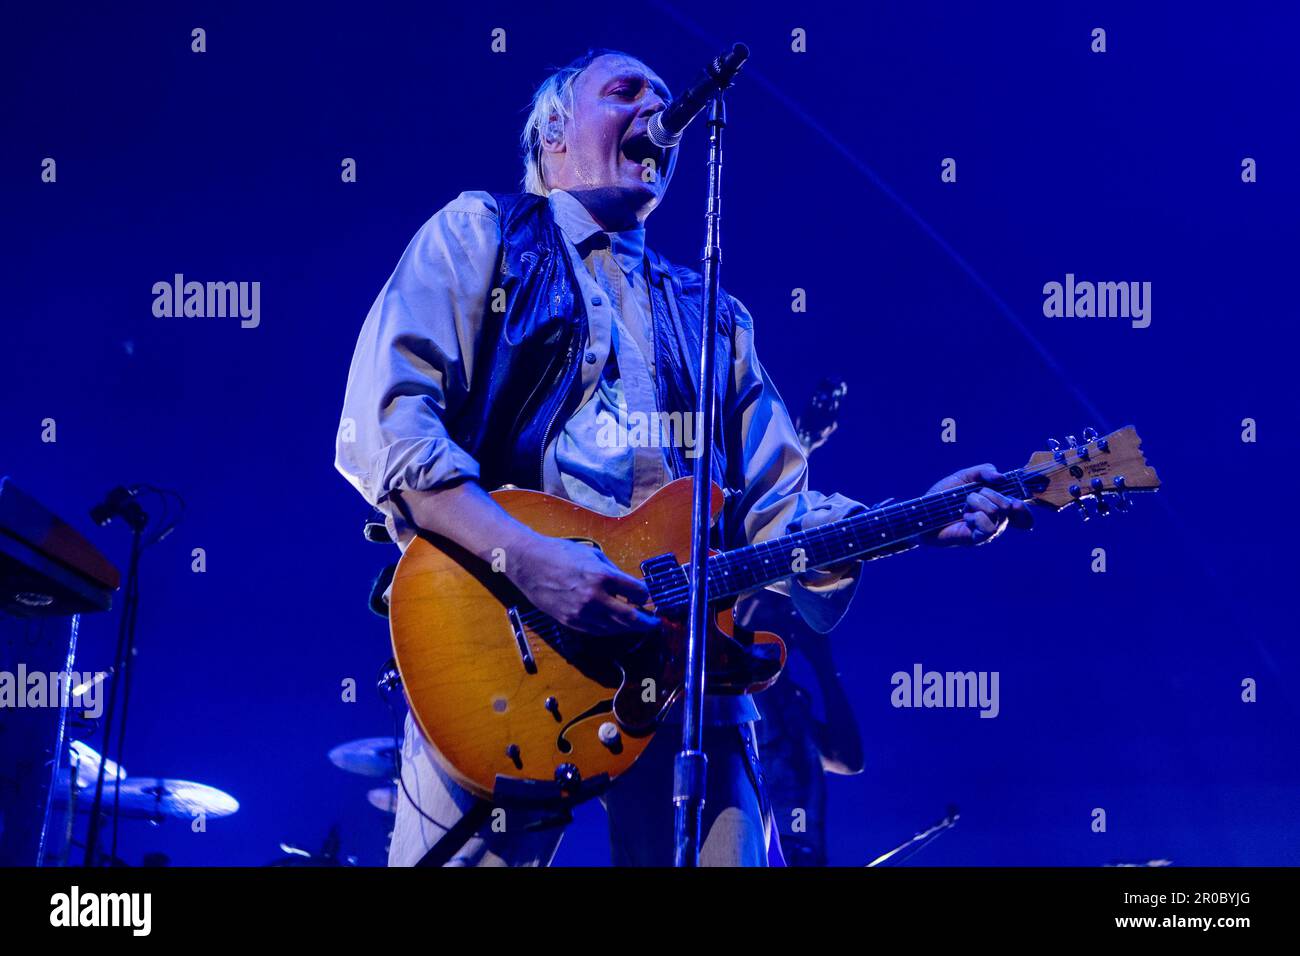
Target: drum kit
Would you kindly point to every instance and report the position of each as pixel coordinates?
(137, 798)
(154, 799)
(374, 757)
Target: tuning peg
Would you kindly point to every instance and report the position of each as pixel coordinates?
(1055, 446)
(1074, 442)
(1077, 494)
(1121, 493)
(1103, 508)
(1089, 434)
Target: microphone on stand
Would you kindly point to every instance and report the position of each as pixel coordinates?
(666, 127)
(120, 503)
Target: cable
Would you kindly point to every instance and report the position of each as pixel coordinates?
(399, 735)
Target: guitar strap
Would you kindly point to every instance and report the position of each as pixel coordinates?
(440, 853)
(445, 848)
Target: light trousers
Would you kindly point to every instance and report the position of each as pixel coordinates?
(736, 827)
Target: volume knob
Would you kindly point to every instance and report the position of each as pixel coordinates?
(609, 736)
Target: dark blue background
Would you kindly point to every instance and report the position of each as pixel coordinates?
(1119, 690)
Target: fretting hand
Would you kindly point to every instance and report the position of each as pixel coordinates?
(986, 513)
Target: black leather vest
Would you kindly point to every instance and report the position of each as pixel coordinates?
(527, 367)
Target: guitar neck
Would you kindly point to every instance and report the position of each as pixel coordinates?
(733, 572)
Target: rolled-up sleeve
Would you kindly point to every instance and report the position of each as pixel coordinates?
(775, 499)
(413, 358)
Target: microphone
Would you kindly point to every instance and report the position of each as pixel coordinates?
(120, 503)
(666, 127)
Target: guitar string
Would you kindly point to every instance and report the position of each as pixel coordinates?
(940, 504)
(938, 510)
(674, 594)
(545, 626)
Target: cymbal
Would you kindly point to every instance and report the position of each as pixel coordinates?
(384, 798)
(150, 798)
(369, 757)
(87, 760)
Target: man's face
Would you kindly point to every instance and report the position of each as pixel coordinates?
(604, 151)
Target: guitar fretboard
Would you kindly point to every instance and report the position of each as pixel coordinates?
(733, 572)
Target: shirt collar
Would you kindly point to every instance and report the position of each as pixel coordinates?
(576, 223)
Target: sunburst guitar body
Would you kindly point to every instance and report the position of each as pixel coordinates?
(514, 705)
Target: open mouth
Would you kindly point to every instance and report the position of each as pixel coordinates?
(638, 149)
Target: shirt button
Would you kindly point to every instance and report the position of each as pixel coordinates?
(591, 358)
(596, 300)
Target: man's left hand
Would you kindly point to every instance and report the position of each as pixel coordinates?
(987, 513)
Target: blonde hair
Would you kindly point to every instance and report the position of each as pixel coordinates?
(552, 103)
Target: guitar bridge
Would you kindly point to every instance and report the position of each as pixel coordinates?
(521, 640)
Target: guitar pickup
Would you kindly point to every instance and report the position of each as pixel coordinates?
(521, 639)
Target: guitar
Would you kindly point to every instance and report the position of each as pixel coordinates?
(820, 417)
(518, 708)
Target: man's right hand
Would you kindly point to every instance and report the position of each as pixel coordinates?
(578, 585)
(573, 583)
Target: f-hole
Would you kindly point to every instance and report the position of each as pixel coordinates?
(562, 743)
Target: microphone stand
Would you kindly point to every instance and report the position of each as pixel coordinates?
(121, 503)
(691, 766)
(123, 659)
(920, 840)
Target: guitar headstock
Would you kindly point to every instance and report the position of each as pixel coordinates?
(819, 417)
(1100, 470)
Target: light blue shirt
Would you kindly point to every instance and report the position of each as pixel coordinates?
(598, 459)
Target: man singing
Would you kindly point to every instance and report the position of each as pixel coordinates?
(516, 335)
